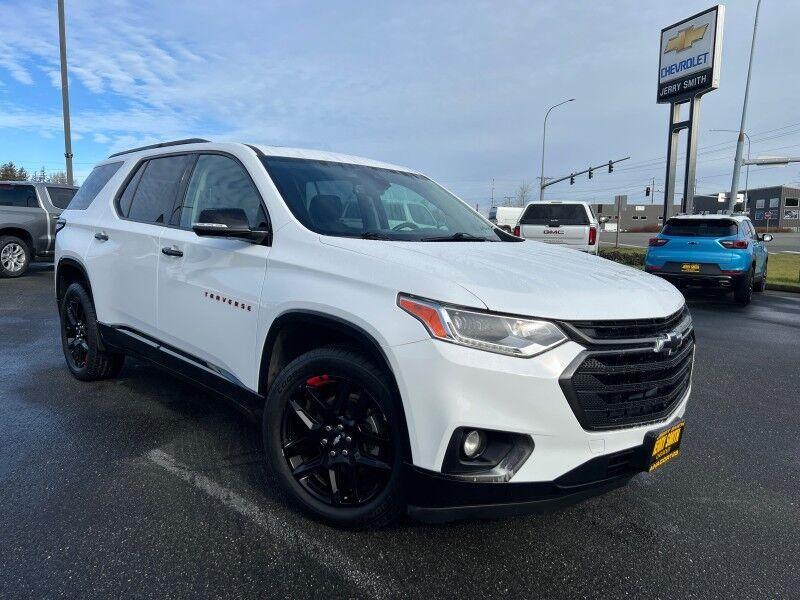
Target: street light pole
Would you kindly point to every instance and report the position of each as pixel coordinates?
(544, 135)
(747, 167)
(737, 161)
(62, 39)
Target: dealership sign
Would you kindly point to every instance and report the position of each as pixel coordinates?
(690, 56)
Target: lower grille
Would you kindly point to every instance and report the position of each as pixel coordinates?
(609, 389)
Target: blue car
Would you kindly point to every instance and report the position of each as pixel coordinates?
(712, 251)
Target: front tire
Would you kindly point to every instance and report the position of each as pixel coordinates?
(15, 256)
(743, 292)
(332, 439)
(80, 338)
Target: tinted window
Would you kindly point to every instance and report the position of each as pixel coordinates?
(18, 195)
(155, 195)
(60, 197)
(95, 182)
(700, 228)
(219, 182)
(565, 214)
(381, 196)
(124, 202)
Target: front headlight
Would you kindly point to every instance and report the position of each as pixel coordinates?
(513, 336)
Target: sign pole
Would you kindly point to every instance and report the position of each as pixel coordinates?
(691, 156)
(672, 160)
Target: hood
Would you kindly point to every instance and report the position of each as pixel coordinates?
(532, 278)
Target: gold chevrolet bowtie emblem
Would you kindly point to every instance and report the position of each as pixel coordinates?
(685, 38)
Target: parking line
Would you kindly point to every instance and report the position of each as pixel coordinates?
(789, 251)
(329, 558)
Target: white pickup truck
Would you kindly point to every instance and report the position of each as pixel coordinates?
(570, 224)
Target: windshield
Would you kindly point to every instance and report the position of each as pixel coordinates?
(564, 214)
(700, 228)
(358, 201)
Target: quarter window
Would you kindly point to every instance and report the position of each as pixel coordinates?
(154, 198)
(95, 182)
(18, 195)
(219, 182)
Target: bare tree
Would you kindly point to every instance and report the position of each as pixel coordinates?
(523, 194)
(57, 177)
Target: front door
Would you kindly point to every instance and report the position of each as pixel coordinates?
(209, 288)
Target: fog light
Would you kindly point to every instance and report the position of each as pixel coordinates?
(473, 444)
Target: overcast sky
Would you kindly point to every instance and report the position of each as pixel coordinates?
(457, 90)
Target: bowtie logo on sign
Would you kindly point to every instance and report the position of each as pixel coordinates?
(685, 39)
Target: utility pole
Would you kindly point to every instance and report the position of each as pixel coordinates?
(544, 135)
(62, 39)
(619, 221)
(492, 204)
(737, 161)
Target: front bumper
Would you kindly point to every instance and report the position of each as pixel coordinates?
(445, 386)
(438, 498)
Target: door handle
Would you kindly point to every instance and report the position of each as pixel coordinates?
(101, 236)
(171, 251)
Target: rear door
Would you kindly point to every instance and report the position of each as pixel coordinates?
(566, 224)
(125, 249)
(209, 288)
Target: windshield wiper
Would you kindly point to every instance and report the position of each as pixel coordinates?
(458, 236)
(373, 235)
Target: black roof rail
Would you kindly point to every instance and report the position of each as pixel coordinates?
(161, 145)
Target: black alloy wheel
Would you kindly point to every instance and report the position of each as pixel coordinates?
(333, 438)
(75, 334)
(336, 441)
(86, 357)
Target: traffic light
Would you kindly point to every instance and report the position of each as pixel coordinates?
(610, 166)
(572, 178)
(647, 192)
(590, 172)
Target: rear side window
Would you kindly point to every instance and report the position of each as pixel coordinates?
(60, 197)
(154, 196)
(700, 228)
(22, 196)
(95, 182)
(564, 214)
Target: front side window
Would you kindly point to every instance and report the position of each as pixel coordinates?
(220, 183)
(155, 194)
(22, 196)
(358, 201)
(700, 228)
(60, 197)
(95, 182)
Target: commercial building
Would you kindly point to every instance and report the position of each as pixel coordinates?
(776, 206)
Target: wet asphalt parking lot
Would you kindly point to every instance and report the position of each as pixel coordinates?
(147, 487)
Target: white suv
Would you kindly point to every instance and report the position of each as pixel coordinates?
(393, 367)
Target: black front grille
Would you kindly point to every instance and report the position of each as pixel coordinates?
(626, 330)
(624, 387)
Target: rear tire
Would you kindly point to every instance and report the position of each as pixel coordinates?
(761, 284)
(743, 292)
(80, 338)
(332, 439)
(15, 256)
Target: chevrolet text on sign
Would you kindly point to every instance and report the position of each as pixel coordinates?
(690, 53)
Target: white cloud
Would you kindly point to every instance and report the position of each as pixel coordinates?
(453, 89)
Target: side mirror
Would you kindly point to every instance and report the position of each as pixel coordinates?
(767, 237)
(229, 223)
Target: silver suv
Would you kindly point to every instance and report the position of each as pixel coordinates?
(28, 214)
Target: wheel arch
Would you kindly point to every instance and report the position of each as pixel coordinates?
(22, 234)
(297, 331)
(69, 271)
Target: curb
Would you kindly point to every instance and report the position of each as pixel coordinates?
(780, 287)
